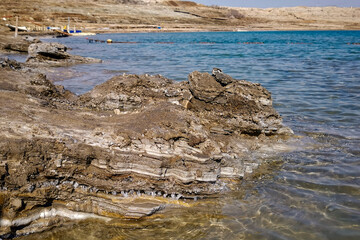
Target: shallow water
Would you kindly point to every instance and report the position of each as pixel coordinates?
(314, 77)
(18, 57)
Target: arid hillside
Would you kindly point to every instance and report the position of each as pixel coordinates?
(304, 17)
(148, 15)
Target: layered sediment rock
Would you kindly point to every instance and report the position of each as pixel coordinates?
(130, 147)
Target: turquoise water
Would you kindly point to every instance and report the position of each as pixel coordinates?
(314, 77)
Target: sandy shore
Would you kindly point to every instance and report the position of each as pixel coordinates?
(112, 17)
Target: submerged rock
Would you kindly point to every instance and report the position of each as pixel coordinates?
(130, 147)
(54, 54)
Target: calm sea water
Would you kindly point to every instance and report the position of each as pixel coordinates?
(314, 77)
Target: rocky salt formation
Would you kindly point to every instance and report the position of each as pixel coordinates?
(18, 45)
(130, 147)
(54, 54)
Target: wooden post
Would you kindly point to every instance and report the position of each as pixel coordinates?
(16, 26)
(68, 26)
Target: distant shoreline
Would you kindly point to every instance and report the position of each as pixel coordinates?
(205, 31)
(177, 16)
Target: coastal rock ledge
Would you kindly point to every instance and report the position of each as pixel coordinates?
(132, 146)
(54, 54)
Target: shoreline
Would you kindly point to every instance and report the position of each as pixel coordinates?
(47, 35)
(211, 30)
(77, 134)
(137, 147)
(25, 38)
(181, 17)
(128, 148)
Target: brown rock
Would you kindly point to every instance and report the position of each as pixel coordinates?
(62, 154)
(48, 51)
(16, 203)
(238, 105)
(221, 77)
(204, 87)
(54, 54)
(9, 43)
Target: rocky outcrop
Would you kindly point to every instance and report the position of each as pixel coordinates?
(54, 54)
(6, 63)
(20, 44)
(130, 147)
(238, 106)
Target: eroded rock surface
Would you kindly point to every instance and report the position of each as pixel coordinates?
(130, 147)
(20, 44)
(54, 54)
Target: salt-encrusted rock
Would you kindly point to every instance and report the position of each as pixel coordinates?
(129, 92)
(221, 77)
(18, 44)
(10, 64)
(204, 87)
(48, 51)
(238, 105)
(54, 54)
(130, 147)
